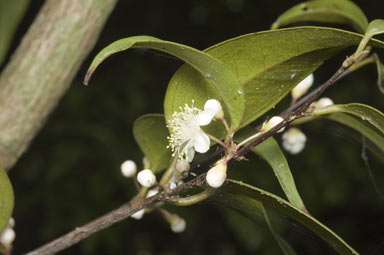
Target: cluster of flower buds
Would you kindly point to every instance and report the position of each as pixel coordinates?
(8, 235)
(145, 178)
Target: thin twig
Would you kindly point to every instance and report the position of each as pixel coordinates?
(298, 109)
(113, 217)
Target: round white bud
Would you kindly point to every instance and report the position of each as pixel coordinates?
(178, 225)
(294, 140)
(128, 168)
(7, 237)
(302, 87)
(323, 102)
(275, 120)
(216, 175)
(214, 106)
(182, 166)
(146, 178)
(138, 215)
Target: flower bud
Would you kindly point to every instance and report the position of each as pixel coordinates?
(138, 215)
(214, 106)
(146, 178)
(128, 168)
(178, 224)
(294, 140)
(182, 166)
(275, 120)
(302, 87)
(152, 192)
(7, 237)
(216, 175)
(323, 102)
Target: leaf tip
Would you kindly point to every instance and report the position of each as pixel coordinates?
(88, 76)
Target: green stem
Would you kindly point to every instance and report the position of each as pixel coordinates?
(186, 201)
(169, 172)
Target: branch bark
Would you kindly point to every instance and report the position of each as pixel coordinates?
(43, 67)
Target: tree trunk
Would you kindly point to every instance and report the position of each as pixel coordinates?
(43, 67)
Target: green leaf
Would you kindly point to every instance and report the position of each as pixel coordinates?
(380, 74)
(151, 133)
(11, 13)
(363, 118)
(329, 11)
(366, 113)
(269, 64)
(375, 27)
(285, 247)
(219, 77)
(6, 198)
(270, 151)
(246, 199)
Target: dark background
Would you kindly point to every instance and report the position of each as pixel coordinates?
(71, 172)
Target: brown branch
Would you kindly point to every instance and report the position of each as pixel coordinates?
(299, 108)
(43, 67)
(113, 217)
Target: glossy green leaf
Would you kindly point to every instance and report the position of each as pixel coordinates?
(375, 27)
(363, 118)
(285, 247)
(11, 13)
(269, 64)
(6, 198)
(366, 113)
(246, 199)
(270, 151)
(329, 11)
(151, 133)
(219, 76)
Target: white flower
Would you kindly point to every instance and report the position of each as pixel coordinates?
(216, 175)
(323, 102)
(7, 237)
(274, 121)
(178, 225)
(128, 168)
(294, 140)
(186, 134)
(138, 215)
(146, 178)
(302, 87)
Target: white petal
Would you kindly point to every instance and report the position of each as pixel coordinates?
(201, 143)
(190, 154)
(205, 117)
